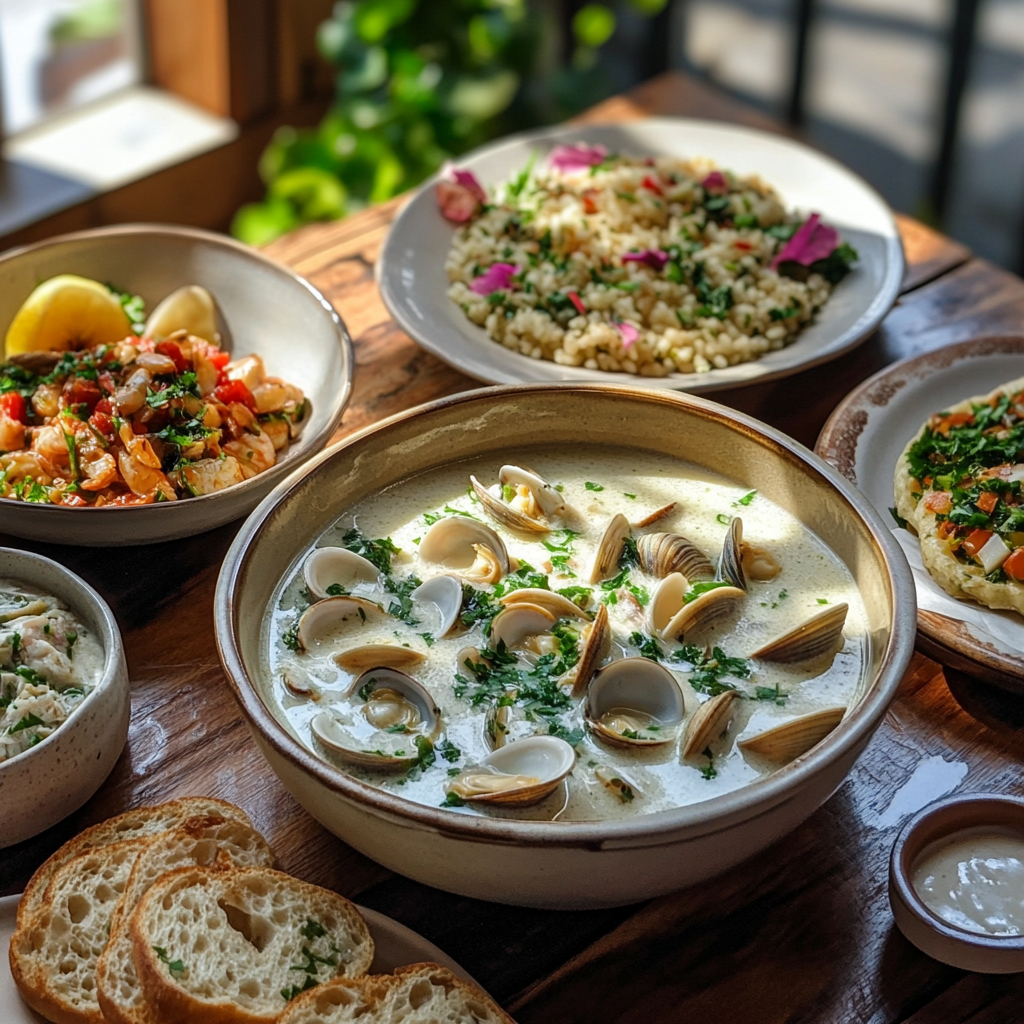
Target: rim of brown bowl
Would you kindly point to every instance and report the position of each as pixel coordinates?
(945, 819)
(744, 804)
(314, 442)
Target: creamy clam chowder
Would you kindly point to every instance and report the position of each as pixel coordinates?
(566, 637)
(49, 663)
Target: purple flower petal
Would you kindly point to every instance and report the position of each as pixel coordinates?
(459, 194)
(653, 258)
(496, 278)
(628, 331)
(467, 179)
(715, 182)
(812, 241)
(575, 158)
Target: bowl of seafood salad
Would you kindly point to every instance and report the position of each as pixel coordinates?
(564, 646)
(166, 402)
(64, 697)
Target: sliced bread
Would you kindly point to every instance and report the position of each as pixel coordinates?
(137, 824)
(207, 841)
(417, 994)
(53, 953)
(234, 946)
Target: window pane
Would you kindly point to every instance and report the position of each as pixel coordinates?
(57, 54)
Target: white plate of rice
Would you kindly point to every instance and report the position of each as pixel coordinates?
(625, 273)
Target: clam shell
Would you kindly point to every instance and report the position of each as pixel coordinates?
(703, 611)
(514, 623)
(324, 617)
(795, 737)
(651, 518)
(437, 603)
(11, 609)
(298, 683)
(326, 566)
(470, 655)
(609, 548)
(545, 759)
(596, 645)
(496, 726)
(505, 515)
(666, 601)
(663, 553)
(708, 722)
(190, 308)
(730, 565)
(618, 783)
(470, 548)
(559, 606)
(635, 685)
(821, 634)
(550, 502)
(359, 659)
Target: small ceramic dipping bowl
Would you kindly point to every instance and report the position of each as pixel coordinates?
(44, 784)
(966, 819)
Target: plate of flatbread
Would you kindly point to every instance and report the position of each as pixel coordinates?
(936, 443)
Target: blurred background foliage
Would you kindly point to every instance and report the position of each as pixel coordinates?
(422, 81)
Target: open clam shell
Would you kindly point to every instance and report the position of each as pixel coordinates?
(653, 517)
(190, 308)
(470, 548)
(559, 606)
(635, 702)
(795, 737)
(547, 499)
(820, 635)
(516, 774)
(730, 565)
(703, 612)
(609, 548)
(663, 553)
(437, 604)
(498, 724)
(618, 783)
(326, 567)
(517, 622)
(394, 709)
(504, 514)
(666, 601)
(597, 642)
(333, 616)
(359, 659)
(707, 723)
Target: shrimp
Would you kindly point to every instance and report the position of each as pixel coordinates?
(208, 475)
(273, 394)
(143, 480)
(18, 465)
(46, 399)
(52, 445)
(12, 434)
(138, 447)
(254, 452)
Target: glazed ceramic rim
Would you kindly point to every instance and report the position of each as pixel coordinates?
(76, 594)
(745, 803)
(395, 297)
(943, 636)
(901, 864)
(310, 444)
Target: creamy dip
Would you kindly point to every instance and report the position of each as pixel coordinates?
(49, 663)
(975, 880)
(607, 781)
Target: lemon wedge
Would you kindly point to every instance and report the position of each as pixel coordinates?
(67, 312)
(191, 308)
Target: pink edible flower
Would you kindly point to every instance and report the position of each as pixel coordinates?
(715, 182)
(813, 241)
(653, 258)
(628, 331)
(459, 194)
(576, 158)
(495, 278)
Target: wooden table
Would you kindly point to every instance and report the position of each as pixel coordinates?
(801, 933)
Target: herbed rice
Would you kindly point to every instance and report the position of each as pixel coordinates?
(716, 302)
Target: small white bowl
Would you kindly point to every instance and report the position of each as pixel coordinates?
(45, 783)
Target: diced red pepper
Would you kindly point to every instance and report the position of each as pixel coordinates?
(573, 298)
(651, 184)
(1014, 565)
(70, 498)
(943, 424)
(975, 541)
(939, 502)
(12, 406)
(102, 419)
(172, 350)
(987, 501)
(107, 382)
(78, 392)
(589, 206)
(742, 245)
(236, 391)
(215, 355)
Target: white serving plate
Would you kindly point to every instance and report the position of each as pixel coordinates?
(866, 435)
(413, 282)
(395, 945)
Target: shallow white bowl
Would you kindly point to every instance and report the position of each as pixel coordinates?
(45, 783)
(413, 282)
(268, 309)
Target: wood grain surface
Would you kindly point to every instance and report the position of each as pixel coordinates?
(802, 933)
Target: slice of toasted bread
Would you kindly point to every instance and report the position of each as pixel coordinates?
(137, 824)
(417, 994)
(233, 946)
(53, 953)
(207, 841)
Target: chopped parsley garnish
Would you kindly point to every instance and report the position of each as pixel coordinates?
(312, 930)
(290, 638)
(28, 722)
(176, 967)
(453, 800)
(648, 646)
(710, 670)
(772, 693)
(378, 552)
(746, 499)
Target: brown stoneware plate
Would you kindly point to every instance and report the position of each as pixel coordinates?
(863, 439)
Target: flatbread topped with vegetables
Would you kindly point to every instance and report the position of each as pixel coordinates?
(959, 484)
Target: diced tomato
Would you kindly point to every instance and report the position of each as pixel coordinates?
(573, 298)
(939, 502)
(589, 206)
(143, 344)
(742, 245)
(987, 501)
(945, 529)
(236, 391)
(78, 392)
(1014, 565)
(651, 184)
(107, 382)
(102, 419)
(172, 350)
(943, 424)
(12, 406)
(975, 541)
(69, 498)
